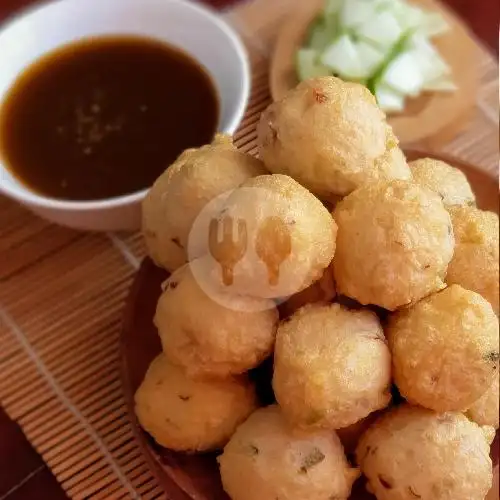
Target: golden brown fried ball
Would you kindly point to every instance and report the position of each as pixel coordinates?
(207, 338)
(445, 349)
(475, 261)
(186, 415)
(320, 292)
(448, 182)
(182, 191)
(394, 244)
(285, 240)
(412, 453)
(485, 411)
(267, 459)
(332, 366)
(331, 137)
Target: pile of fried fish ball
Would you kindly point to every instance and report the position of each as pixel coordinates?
(394, 292)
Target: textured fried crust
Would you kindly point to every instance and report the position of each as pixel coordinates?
(486, 409)
(447, 181)
(183, 190)
(445, 349)
(394, 244)
(207, 338)
(186, 415)
(332, 366)
(331, 137)
(267, 459)
(285, 224)
(320, 292)
(475, 263)
(412, 453)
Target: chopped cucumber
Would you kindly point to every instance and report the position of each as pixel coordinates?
(389, 100)
(370, 57)
(409, 17)
(403, 74)
(319, 37)
(342, 58)
(430, 63)
(434, 24)
(333, 26)
(383, 30)
(308, 65)
(356, 12)
(383, 44)
(443, 84)
(381, 5)
(331, 15)
(399, 47)
(333, 6)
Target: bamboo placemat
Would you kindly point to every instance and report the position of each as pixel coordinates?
(62, 294)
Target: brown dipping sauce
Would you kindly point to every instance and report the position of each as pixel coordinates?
(104, 117)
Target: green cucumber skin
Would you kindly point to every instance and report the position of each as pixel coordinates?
(320, 22)
(329, 23)
(394, 52)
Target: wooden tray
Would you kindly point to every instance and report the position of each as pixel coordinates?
(429, 120)
(196, 477)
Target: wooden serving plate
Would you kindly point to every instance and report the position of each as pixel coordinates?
(430, 119)
(196, 477)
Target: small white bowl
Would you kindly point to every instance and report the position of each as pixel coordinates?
(186, 25)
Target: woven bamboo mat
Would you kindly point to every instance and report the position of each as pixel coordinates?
(62, 294)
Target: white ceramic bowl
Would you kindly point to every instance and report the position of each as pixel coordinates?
(181, 23)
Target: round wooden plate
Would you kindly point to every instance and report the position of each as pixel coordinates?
(196, 477)
(429, 120)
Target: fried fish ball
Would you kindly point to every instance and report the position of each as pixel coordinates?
(394, 243)
(267, 459)
(320, 292)
(330, 136)
(445, 349)
(187, 415)
(183, 190)
(207, 338)
(332, 366)
(485, 411)
(412, 452)
(475, 263)
(286, 238)
(448, 182)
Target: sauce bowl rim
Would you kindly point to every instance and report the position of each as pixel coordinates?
(25, 195)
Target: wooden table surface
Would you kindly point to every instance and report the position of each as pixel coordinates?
(23, 474)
